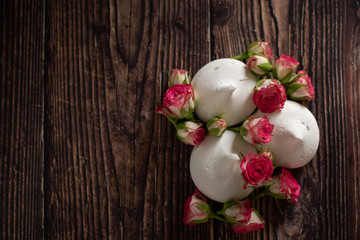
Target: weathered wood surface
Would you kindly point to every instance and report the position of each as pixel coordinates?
(83, 156)
(21, 120)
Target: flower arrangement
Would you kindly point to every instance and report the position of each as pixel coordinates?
(276, 83)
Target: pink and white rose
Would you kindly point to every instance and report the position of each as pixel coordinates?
(258, 130)
(301, 88)
(269, 95)
(196, 209)
(179, 76)
(260, 47)
(216, 126)
(190, 133)
(240, 211)
(285, 185)
(255, 223)
(285, 66)
(259, 65)
(178, 102)
(256, 170)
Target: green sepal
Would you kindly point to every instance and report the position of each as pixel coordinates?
(242, 130)
(287, 77)
(252, 44)
(259, 83)
(258, 214)
(214, 132)
(169, 79)
(226, 206)
(172, 120)
(291, 88)
(295, 76)
(243, 56)
(265, 67)
(207, 210)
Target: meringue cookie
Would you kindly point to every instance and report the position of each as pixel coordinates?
(224, 86)
(295, 137)
(215, 166)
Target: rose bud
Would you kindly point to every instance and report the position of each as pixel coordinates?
(178, 102)
(301, 88)
(268, 154)
(179, 76)
(269, 95)
(256, 170)
(285, 186)
(216, 126)
(238, 211)
(196, 209)
(258, 130)
(259, 65)
(284, 67)
(255, 223)
(190, 133)
(260, 47)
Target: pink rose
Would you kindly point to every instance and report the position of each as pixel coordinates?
(190, 133)
(285, 66)
(258, 130)
(259, 65)
(260, 47)
(255, 223)
(179, 76)
(269, 95)
(285, 185)
(301, 88)
(216, 126)
(196, 209)
(256, 170)
(240, 211)
(178, 102)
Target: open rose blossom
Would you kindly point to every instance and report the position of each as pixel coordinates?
(269, 95)
(301, 88)
(179, 76)
(239, 211)
(259, 65)
(285, 185)
(190, 133)
(255, 223)
(260, 47)
(258, 130)
(285, 66)
(196, 209)
(256, 170)
(216, 126)
(178, 102)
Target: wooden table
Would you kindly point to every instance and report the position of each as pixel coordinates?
(82, 153)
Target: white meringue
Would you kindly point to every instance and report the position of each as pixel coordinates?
(224, 86)
(215, 166)
(295, 138)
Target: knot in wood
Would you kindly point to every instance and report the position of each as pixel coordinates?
(221, 12)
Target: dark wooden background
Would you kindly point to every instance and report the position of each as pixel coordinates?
(82, 153)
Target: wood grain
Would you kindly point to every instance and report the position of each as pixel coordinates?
(84, 156)
(116, 169)
(21, 119)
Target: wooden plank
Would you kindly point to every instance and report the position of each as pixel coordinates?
(21, 117)
(317, 34)
(351, 40)
(115, 169)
